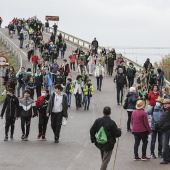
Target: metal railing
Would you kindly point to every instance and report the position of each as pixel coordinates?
(13, 50)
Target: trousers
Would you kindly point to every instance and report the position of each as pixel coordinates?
(105, 155)
(10, 121)
(25, 122)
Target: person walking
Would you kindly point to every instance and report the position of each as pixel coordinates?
(34, 60)
(48, 81)
(131, 71)
(132, 98)
(41, 107)
(73, 59)
(38, 82)
(57, 108)
(21, 39)
(121, 82)
(1, 20)
(140, 130)
(88, 92)
(112, 132)
(69, 90)
(99, 74)
(65, 70)
(26, 111)
(10, 108)
(164, 126)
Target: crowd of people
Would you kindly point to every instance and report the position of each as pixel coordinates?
(46, 73)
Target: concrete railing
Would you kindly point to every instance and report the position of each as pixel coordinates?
(13, 50)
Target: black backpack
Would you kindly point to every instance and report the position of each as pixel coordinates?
(130, 72)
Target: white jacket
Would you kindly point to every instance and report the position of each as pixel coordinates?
(96, 73)
(77, 87)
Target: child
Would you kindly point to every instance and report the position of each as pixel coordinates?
(88, 91)
(69, 90)
(59, 79)
(31, 86)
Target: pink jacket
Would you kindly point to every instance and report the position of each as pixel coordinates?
(139, 121)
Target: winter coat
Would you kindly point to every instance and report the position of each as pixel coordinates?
(131, 71)
(160, 78)
(152, 98)
(54, 67)
(120, 80)
(165, 121)
(111, 129)
(139, 121)
(97, 71)
(64, 105)
(38, 79)
(132, 99)
(10, 105)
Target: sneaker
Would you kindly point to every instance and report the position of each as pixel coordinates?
(128, 130)
(164, 162)
(153, 156)
(145, 158)
(11, 137)
(87, 108)
(43, 137)
(26, 138)
(56, 141)
(159, 155)
(6, 138)
(84, 108)
(136, 158)
(23, 137)
(39, 136)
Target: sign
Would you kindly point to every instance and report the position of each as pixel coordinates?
(52, 18)
(3, 61)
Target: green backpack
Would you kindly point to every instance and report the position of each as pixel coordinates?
(101, 136)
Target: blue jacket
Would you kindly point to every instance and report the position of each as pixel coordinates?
(157, 113)
(49, 80)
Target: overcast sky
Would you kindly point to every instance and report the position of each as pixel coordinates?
(112, 22)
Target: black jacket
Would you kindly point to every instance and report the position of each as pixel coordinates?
(38, 80)
(11, 105)
(111, 129)
(120, 80)
(164, 123)
(123, 67)
(132, 99)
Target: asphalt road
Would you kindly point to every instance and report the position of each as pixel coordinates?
(74, 151)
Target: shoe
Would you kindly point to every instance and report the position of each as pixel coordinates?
(87, 108)
(26, 138)
(159, 155)
(84, 108)
(136, 158)
(118, 103)
(145, 158)
(164, 162)
(11, 137)
(56, 141)
(129, 130)
(6, 138)
(23, 137)
(43, 137)
(76, 108)
(39, 136)
(68, 105)
(97, 88)
(153, 156)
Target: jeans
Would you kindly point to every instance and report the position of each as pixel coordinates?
(153, 141)
(20, 85)
(43, 121)
(130, 81)
(72, 66)
(25, 121)
(150, 110)
(34, 68)
(47, 29)
(129, 119)
(56, 121)
(165, 145)
(99, 82)
(10, 121)
(87, 102)
(21, 43)
(138, 137)
(69, 98)
(119, 90)
(48, 88)
(62, 53)
(105, 155)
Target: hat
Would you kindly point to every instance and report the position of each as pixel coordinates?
(166, 101)
(140, 104)
(159, 99)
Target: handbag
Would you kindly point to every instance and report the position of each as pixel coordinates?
(64, 121)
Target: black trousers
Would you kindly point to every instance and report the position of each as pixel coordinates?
(119, 90)
(38, 91)
(29, 54)
(129, 119)
(110, 69)
(130, 81)
(25, 122)
(78, 99)
(72, 66)
(43, 121)
(56, 121)
(10, 121)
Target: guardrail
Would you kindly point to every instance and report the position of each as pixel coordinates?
(87, 45)
(13, 49)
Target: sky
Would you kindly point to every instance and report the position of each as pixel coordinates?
(136, 23)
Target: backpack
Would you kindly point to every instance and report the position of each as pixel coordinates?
(130, 72)
(125, 105)
(27, 78)
(101, 136)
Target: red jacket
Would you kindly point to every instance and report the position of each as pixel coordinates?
(39, 101)
(34, 59)
(152, 98)
(73, 58)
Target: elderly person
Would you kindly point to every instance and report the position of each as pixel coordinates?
(99, 74)
(132, 99)
(140, 129)
(164, 125)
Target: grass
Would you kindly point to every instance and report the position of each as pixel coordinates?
(12, 62)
